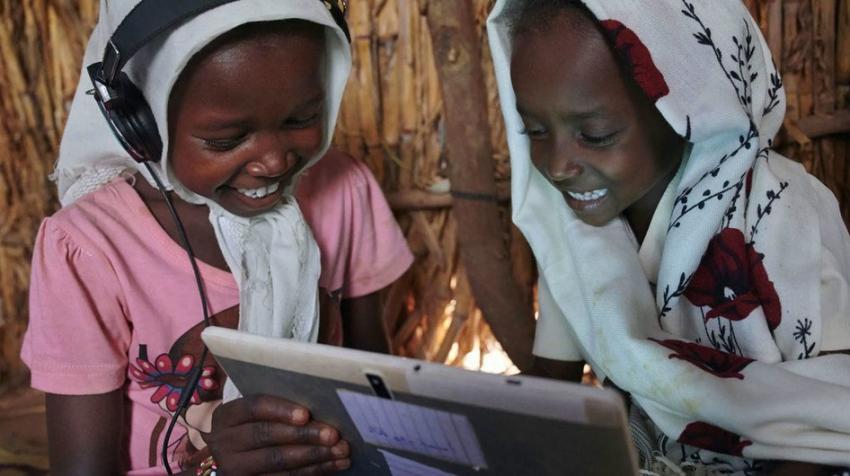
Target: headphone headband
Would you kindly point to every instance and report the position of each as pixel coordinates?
(145, 21)
(149, 18)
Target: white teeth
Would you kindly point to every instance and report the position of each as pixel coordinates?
(259, 192)
(588, 196)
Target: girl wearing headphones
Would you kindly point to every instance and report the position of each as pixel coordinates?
(244, 97)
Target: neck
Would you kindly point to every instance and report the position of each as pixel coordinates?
(640, 214)
(195, 219)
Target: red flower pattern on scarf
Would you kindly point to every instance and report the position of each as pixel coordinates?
(732, 281)
(638, 59)
(721, 364)
(710, 437)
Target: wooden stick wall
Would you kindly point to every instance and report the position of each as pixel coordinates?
(392, 118)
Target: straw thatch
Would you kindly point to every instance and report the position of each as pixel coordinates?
(41, 44)
(393, 119)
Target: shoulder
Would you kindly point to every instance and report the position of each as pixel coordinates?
(791, 176)
(99, 216)
(106, 199)
(334, 173)
(814, 211)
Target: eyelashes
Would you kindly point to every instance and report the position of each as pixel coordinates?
(230, 143)
(533, 133)
(223, 145)
(598, 141)
(592, 140)
(302, 122)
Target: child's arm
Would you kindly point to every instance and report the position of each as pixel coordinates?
(571, 371)
(76, 346)
(555, 353)
(265, 434)
(793, 468)
(84, 433)
(363, 324)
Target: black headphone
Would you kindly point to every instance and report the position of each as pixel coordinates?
(121, 102)
(132, 121)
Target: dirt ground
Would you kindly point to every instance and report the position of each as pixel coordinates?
(23, 433)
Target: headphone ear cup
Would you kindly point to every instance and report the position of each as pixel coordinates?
(133, 122)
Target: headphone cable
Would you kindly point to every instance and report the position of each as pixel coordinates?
(189, 390)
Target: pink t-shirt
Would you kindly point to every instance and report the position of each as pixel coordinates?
(113, 302)
(362, 247)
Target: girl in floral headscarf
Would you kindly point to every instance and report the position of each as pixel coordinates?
(680, 256)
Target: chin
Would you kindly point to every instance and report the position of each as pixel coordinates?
(599, 218)
(246, 213)
(240, 210)
(242, 206)
(596, 222)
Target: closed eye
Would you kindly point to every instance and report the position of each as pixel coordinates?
(533, 132)
(598, 140)
(223, 145)
(302, 122)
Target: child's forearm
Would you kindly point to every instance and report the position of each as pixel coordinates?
(795, 468)
(570, 371)
(84, 433)
(363, 325)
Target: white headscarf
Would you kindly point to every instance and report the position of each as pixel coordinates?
(273, 256)
(748, 254)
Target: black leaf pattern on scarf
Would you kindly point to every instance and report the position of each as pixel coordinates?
(683, 205)
(741, 80)
(802, 332)
(763, 211)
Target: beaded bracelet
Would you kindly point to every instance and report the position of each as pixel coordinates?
(208, 467)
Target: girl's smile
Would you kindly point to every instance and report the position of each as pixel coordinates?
(257, 193)
(242, 139)
(586, 202)
(260, 195)
(257, 198)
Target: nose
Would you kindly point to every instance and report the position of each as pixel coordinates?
(272, 159)
(563, 164)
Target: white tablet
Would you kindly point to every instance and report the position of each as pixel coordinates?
(405, 417)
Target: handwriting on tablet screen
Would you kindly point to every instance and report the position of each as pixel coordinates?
(415, 428)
